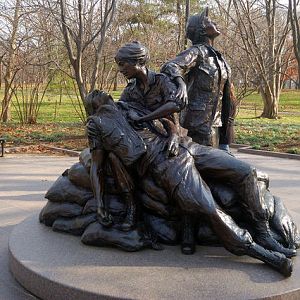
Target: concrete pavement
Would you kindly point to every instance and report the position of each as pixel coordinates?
(24, 180)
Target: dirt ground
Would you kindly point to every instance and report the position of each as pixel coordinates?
(76, 145)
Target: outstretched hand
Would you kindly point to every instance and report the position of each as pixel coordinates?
(181, 92)
(132, 115)
(134, 119)
(288, 229)
(284, 224)
(104, 218)
(173, 145)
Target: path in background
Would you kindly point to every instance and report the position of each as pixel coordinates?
(24, 180)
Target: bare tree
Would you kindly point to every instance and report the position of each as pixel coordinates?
(84, 25)
(294, 17)
(262, 27)
(10, 44)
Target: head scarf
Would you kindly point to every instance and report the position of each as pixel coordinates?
(133, 52)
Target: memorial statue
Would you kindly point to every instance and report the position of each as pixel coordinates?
(144, 173)
(203, 79)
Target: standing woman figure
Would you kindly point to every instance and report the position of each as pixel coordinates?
(203, 80)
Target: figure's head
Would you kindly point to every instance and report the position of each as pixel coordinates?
(95, 99)
(131, 58)
(200, 27)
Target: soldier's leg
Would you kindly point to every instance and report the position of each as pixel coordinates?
(215, 137)
(234, 238)
(202, 139)
(206, 139)
(219, 165)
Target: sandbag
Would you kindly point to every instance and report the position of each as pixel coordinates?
(75, 226)
(155, 192)
(166, 232)
(63, 190)
(41, 215)
(90, 207)
(54, 210)
(283, 224)
(155, 206)
(115, 204)
(85, 159)
(98, 235)
(79, 176)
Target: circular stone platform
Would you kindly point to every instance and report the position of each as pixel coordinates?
(58, 266)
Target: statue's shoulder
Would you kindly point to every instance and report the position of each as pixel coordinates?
(203, 49)
(91, 120)
(164, 81)
(104, 112)
(161, 76)
(156, 78)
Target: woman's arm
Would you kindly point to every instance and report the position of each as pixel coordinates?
(179, 66)
(163, 111)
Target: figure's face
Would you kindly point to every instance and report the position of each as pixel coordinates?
(129, 70)
(100, 98)
(211, 28)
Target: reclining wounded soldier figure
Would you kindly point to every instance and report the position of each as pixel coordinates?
(180, 178)
(106, 141)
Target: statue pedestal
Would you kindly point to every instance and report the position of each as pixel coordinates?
(58, 266)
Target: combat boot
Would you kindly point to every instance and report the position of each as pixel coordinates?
(274, 259)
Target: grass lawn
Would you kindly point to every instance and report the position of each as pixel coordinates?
(281, 135)
(59, 123)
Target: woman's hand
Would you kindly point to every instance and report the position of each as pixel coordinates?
(173, 145)
(132, 115)
(104, 218)
(181, 92)
(134, 119)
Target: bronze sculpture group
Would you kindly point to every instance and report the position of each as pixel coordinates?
(144, 182)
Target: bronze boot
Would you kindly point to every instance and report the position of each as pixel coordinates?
(130, 219)
(264, 238)
(188, 239)
(274, 259)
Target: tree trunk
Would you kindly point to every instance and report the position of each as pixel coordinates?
(5, 113)
(298, 81)
(270, 109)
(115, 82)
(9, 73)
(180, 26)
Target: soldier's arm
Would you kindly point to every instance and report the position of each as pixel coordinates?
(182, 63)
(178, 67)
(96, 171)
